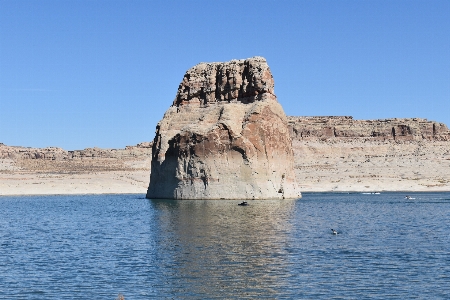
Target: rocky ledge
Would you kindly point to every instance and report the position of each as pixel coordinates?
(412, 129)
(224, 137)
(58, 154)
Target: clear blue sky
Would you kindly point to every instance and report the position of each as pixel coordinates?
(77, 74)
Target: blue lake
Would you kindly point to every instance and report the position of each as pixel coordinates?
(97, 246)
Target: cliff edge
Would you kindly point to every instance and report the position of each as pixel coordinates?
(345, 127)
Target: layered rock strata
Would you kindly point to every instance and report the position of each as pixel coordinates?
(55, 153)
(343, 154)
(58, 160)
(412, 129)
(224, 137)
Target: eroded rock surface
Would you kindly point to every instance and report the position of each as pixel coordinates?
(396, 129)
(58, 160)
(343, 154)
(224, 137)
(55, 153)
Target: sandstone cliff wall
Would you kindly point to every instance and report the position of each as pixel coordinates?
(55, 153)
(413, 129)
(57, 160)
(300, 128)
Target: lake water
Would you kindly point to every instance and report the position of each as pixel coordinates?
(97, 246)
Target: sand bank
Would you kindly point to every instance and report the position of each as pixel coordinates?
(321, 166)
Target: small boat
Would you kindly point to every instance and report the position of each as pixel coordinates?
(409, 198)
(334, 231)
(243, 203)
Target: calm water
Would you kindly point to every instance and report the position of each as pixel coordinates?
(95, 247)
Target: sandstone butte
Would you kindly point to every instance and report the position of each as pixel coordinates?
(224, 137)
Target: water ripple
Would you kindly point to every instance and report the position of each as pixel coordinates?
(72, 247)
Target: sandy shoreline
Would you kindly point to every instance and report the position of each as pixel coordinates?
(136, 182)
(370, 166)
(321, 166)
(116, 182)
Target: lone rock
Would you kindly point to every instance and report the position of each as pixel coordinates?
(224, 137)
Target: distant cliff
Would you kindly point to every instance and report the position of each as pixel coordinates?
(55, 153)
(414, 129)
(300, 128)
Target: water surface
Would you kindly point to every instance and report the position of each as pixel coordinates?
(97, 246)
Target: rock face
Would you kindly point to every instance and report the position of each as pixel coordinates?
(224, 137)
(413, 129)
(58, 154)
(53, 160)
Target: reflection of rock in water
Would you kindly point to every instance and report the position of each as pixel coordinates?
(214, 246)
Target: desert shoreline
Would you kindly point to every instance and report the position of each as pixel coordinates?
(324, 161)
(319, 167)
(111, 183)
(27, 184)
(307, 192)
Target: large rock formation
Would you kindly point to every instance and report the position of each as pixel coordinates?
(224, 137)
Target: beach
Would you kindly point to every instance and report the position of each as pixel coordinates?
(352, 165)
(86, 175)
(372, 166)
